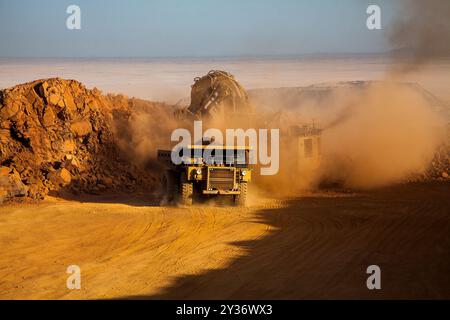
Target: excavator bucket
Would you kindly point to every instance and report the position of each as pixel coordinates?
(216, 95)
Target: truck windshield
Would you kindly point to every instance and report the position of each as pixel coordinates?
(236, 158)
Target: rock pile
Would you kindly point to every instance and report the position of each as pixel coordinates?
(439, 168)
(57, 135)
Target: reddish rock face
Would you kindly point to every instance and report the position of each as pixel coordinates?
(57, 135)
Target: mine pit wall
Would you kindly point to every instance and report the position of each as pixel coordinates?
(58, 136)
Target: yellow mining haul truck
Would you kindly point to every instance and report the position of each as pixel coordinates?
(205, 172)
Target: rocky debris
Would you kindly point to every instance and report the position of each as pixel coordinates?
(439, 168)
(11, 184)
(81, 128)
(60, 177)
(58, 135)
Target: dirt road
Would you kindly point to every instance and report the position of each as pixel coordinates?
(313, 246)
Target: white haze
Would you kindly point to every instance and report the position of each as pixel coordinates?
(170, 80)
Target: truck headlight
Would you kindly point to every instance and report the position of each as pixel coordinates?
(198, 171)
(243, 173)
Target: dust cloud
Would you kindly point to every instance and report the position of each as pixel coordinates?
(420, 33)
(373, 135)
(384, 132)
(388, 134)
(143, 130)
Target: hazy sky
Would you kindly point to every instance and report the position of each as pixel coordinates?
(189, 28)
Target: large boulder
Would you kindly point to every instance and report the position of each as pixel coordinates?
(81, 128)
(49, 117)
(61, 177)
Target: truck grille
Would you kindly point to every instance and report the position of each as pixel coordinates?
(221, 179)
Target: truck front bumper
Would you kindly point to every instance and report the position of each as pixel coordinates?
(221, 192)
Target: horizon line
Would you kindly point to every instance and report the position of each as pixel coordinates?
(241, 56)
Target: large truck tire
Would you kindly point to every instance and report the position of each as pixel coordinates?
(240, 199)
(168, 187)
(186, 191)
